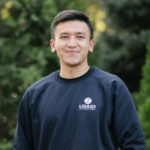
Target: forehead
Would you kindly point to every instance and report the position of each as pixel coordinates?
(73, 26)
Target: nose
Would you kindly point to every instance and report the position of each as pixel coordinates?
(72, 42)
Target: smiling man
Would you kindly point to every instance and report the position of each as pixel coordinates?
(78, 107)
(72, 41)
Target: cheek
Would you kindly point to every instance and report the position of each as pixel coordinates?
(60, 46)
(85, 44)
(85, 48)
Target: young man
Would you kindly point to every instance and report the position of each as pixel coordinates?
(78, 107)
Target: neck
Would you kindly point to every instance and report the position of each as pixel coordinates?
(70, 72)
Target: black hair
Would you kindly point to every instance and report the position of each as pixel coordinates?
(68, 15)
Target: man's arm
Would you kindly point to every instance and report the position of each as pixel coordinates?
(127, 128)
(23, 139)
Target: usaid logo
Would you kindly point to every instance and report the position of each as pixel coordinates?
(87, 105)
(88, 101)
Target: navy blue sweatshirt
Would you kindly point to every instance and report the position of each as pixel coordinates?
(91, 112)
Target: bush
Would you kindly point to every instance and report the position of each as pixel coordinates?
(5, 145)
(143, 98)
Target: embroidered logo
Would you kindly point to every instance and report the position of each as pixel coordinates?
(87, 105)
(88, 101)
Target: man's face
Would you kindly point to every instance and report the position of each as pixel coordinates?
(72, 43)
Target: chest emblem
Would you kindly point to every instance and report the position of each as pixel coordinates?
(87, 105)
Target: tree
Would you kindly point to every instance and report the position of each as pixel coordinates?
(143, 98)
(123, 43)
(25, 55)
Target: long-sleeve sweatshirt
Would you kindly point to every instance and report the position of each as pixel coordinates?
(91, 112)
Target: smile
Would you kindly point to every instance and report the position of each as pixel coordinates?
(72, 52)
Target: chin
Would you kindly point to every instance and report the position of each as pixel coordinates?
(72, 64)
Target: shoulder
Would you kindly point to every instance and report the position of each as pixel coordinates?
(112, 82)
(41, 84)
(44, 81)
(106, 78)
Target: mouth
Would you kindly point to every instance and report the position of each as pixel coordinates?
(72, 52)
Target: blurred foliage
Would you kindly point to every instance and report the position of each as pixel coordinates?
(5, 145)
(123, 42)
(143, 98)
(25, 54)
(97, 16)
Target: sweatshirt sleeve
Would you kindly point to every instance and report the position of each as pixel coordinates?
(127, 128)
(23, 139)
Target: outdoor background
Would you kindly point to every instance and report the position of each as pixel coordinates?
(122, 35)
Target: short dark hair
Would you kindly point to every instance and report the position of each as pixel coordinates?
(68, 15)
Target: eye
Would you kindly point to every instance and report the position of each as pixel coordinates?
(80, 37)
(64, 37)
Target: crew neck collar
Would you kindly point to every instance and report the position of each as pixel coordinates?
(88, 73)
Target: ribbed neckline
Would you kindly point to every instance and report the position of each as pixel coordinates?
(88, 73)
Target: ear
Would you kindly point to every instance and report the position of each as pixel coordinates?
(91, 45)
(52, 45)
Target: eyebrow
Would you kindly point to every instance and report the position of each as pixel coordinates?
(64, 33)
(81, 33)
